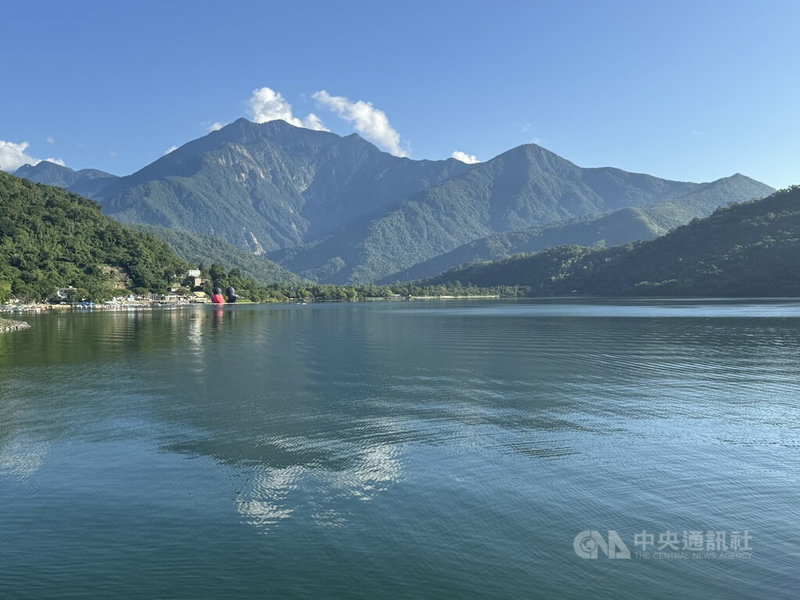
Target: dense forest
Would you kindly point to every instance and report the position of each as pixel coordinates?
(748, 249)
(51, 239)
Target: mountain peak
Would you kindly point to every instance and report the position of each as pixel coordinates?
(339, 209)
(85, 182)
(42, 166)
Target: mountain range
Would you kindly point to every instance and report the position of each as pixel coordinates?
(338, 210)
(86, 182)
(748, 249)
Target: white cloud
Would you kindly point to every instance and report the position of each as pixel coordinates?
(312, 121)
(13, 156)
(169, 150)
(268, 105)
(470, 159)
(212, 126)
(367, 120)
(50, 139)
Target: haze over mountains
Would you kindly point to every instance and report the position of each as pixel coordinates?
(338, 210)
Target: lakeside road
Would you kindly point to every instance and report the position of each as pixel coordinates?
(10, 325)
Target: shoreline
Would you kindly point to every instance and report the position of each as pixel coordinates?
(149, 305)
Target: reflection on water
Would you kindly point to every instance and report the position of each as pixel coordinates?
(274, 494)
(267, 500)
(21, 450)
(21, 457)
(404, 450)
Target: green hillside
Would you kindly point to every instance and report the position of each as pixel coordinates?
(621, 227)
(208, 250)
(748, 249)
(52, 239)
(615, 229)
(525, 188)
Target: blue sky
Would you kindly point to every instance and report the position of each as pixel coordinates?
(688, 90)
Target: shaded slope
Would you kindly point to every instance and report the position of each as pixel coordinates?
(206, 250)
(525, 187)
(749, 249)
(269, 186)
(620, 227)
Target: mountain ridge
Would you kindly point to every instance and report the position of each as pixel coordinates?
(275, 178)
(496, 197)
(85, 182)
(338, 210)
(620, 227)
(747, 249)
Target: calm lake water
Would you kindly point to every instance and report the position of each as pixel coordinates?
(404, 450)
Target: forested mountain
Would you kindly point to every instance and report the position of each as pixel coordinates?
(620, 227)
(208, 250)
(614, 229)
(50, 239)
(269, 186)
(748, 249)
(525, 187)
(86, 182)
(336, 209)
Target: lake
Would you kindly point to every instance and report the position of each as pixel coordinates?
(458, 449)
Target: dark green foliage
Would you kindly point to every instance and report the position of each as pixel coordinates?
(749, 249)
(347, 293)
(51, 239)
(291, 291)
(5, 290)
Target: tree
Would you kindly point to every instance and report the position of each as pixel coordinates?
(5, 290)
